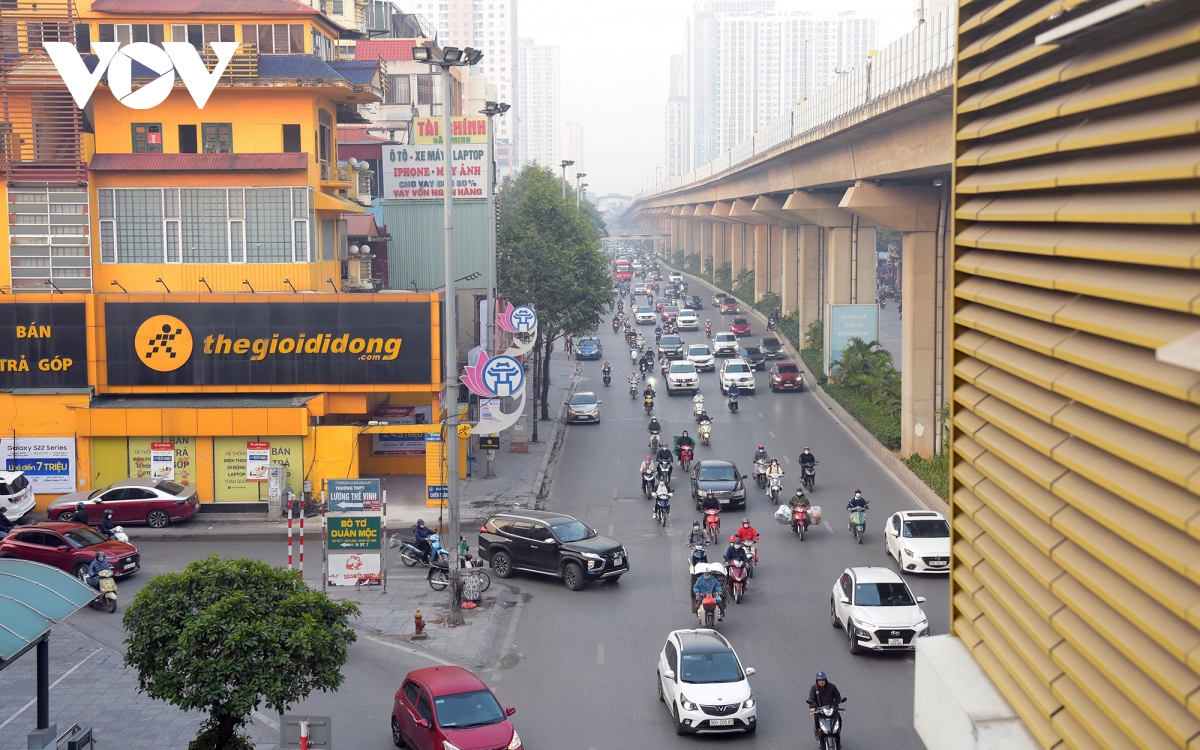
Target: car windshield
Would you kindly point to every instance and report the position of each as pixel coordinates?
(670, 341)
(716, 474)
(464, 710)
(771, 342)
(171, 488)
(18, 483)
(687, 367)
(572, 531)
(725, 337)
(701, 669)
(698, 351)
(583, 399)
(788, 369)
(882, 595)
(739, 321)
(83, 537)
(589, 342)
(753, 351)
(671, 309)
(736, 367)
(934, 528)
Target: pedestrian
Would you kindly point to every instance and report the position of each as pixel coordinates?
(568, 347)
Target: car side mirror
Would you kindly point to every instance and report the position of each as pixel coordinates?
(920, 600)
(510, 711)
(63, 548)
(547, 541)
(423, 723)
(843, 700)
(750, 671)
(745, 477)
(669, 674)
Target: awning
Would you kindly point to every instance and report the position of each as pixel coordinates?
(328, 202)
(34, 598)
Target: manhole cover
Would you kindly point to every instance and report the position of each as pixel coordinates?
(651, 535)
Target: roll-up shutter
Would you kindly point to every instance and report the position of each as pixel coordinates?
(1075, 468)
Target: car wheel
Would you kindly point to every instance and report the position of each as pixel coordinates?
(573, 576)
(501, 564)
(661, 697)
(66, 516)
(157, 519)
(679, 728)
(397, 740)
(81, 571)
(833, 620)
(852, 639)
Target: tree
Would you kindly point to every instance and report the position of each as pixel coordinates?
(549, 256)
(225, 636)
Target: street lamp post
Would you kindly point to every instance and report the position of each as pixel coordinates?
(578, 176)
(491, 109)
(452, 57)
(565, 163)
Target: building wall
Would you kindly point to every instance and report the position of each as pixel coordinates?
(540, 104)
(417, 249)
(1076, 445)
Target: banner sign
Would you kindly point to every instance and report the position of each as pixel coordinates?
(162, 461)
(845, 322)
(419, 172)
(43, 345)
(258, 460)
(463, 129)
(354, 496)
(350, 569)
(48, 463)
(397, 444)
(354, 533)
(267, 343)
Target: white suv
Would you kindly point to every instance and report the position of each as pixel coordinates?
(736, 372)
(726, 343)
(687, 320)
(702, 357)
(704, 684)
(16, 494)
(877, 610)
(682, 376)
(675, 277)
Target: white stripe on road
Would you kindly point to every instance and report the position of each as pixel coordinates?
(829, 528)
(407, 650)
(787, 460)
(53, 685)
(260, 716)
(599, 653)
(769, 432)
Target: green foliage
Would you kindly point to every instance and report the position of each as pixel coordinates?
(225, 636)
(722, 276)
(691, 263)
(814, 337)
(708, 267)
(208, 739)
(768, 303)
(866, 370)
(743, 288)
(934, 472)
(885, 240)
(878, 420)
(789, 327)
(815, 359)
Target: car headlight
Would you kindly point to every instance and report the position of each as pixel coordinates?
(749, 703)
(516, 741)
(447, 746)
(687, 704)
(908, 552)
(739, 493)
(591, 556)
(922, 627)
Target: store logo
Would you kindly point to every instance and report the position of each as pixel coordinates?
(117, 61)
(163, 343)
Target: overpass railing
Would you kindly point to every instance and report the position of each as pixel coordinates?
(924, 52)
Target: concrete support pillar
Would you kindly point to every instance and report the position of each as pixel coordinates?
(694, 237)
(762, 262)
(737, 258)
(810, 250)
(676, 231)
(719, 254)
(706, 246)
(775, 260)
(788, 290)
(919, 350)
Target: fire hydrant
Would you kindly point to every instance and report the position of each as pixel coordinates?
(418, 625)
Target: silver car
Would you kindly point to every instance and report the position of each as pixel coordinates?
(583, 407)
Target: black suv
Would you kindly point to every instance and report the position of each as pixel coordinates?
(671, 347)
(550, 544)
(692, 302)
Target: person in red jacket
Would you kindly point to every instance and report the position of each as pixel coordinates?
(746, 532)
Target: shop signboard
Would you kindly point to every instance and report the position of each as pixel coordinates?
(397, 444)
(43, 345)
(354, 569)
(48, 463)
(162, 461)
(267, 343)
(463, 129)
(845, 322)
(438, 491)
(354, 542)
(354, 496)
(354, 532)
(419, 172)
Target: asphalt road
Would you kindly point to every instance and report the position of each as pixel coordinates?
(581, 666)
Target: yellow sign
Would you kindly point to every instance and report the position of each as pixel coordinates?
(163, 343)
(464, 431)
(467, 129)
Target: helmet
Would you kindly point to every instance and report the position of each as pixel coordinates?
(821, 677)
(647, 458)
(100, 556)
(695, 524)
(858, 492)
(420, 521)
(806, 449)
(78, 506)
(760, 446)
(3, 510)
(733, 540)
(745, 520)
(107, 513)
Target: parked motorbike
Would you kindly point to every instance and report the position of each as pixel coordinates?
(775, 487)
(107, 596)
(738, 575)
(829, 726)
(662, 504)
(712, 524)
(472, 575)
(705, 432)
(858, 523)
(808, 475)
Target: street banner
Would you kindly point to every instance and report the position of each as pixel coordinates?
(845, 322)
(351, 569)
(48, 463)
(419, 172)
(258, 460)
(464, 129)
(354, 533)
(162, 461)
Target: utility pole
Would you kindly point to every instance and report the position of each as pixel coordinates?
(565, 163)
(578, 177)
(491, 109)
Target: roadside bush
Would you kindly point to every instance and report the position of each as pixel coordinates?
(691, 263)
(814, 337)
(744, 287)
(789, 327)
(768, 303)
(708, 267)
(722, 276)
(934, 472)
(878, 420)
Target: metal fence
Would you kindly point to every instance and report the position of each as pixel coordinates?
(925, 51)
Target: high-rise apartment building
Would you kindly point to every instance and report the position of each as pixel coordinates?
(572, 145)
(677, 119)
(491, 26)
(539, 98)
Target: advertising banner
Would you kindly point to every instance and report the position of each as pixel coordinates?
(142, 460)
(464, 129)
(48, 463)
(354, 496)
(404, 414)
(162, 461)
(267, 343)
(845, 322)
(43, 345)
(419, 172)
(350, 569)
(258, 460)
(356, 532)
(397, 444)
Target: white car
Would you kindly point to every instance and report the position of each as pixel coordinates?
(704, 684)
(687, 319)
(919, 540)
(702, 357)
(726, 343)
(877, 610)
(644, 315)
(16, 494)
(675, 277)
(682, 376)
(736, 372)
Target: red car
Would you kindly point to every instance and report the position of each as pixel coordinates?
(670, 312)
(443, 707)
(785, 376)
(740, 327)
(154, 502)
(70, 547)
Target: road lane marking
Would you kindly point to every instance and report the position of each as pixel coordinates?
(610, 529)
(53, 685)
(786, 460)
(599, 653)
(769, 433)
(829, 528)
(760, 414)
(407, 650)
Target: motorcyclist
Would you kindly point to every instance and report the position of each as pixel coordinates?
(734, 392)
(760, 454)
(421, 533)
(807, 457)
(98, 564)
(81, 514)
(746, 532)
(822, 693)
(703, 417)
(107, 524)
(858, 502)
(634, 378)
(799, 499)
(774, 469)
(647, 466)
(684, 439)
(658, 332)
(696, 536)
(735, 550)
(606, 371)
(661, 491)
(654, 427)
(664, 454)
(5, 524)
(648, 392)
(708, 585)
(708, 329)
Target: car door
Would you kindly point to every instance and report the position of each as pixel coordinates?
(50, 545)
(407, 715)
(110, 500)
(136, 503)
(669, 662)
(521, 544)
(27, 545)
(544, 549)
(426, 737)
(842, 603)
(893, 531)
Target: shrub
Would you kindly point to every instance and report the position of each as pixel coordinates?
(814, 337)
(744, 288)
(768, 303)
(934, 472)
(722, 276)
(789, 327)
(708, 267)
(691, 263)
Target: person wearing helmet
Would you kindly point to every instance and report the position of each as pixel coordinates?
(822, 693)
(696, 536)
(647, 466)
(5, 524)
(98, 564)
(746, 532)
(107, 524)
(761, 454)
(735, 551)
(81, 514)
(421, 533)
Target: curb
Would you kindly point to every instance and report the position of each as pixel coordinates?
(493, 626)
(891, 463)
(540, 488)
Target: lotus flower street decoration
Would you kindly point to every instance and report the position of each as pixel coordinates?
(502, 375)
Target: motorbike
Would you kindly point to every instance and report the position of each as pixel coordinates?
(654, 443)
(118, 534)
(662, 504)
(829, 726)
(737, 579)
(707, 612)
(649, 404)
(411, 554)
(705, 432)
(663, 366)
(634, 354)
(775, 487)
(708, 332)
(858, 523)
(808, 475)
(751, 555)
(712, 524)
(760, 473)
(648, 483)
(616, 325)
(732, 403)
(697, 406)
(107, 598)
(685, 457)
(800, 521)
(699, 557)
(472, 575)
(607, 380)
(662, 470)
(633, 388)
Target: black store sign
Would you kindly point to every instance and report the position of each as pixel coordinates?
(272, 343)
(43, 345)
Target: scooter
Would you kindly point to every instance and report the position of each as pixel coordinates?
(662, 471)
(712, 524)
(751, 555)
(634, 354)
(737, 579)
(648, 483)
(697, 406)
(662, 504)
(858, 523)
(685, 457)
(107, 598)
(800, 521)
(808, 475)
(705, 432)
(699, 557)
(829, 726)
(775, 487)
(760, 473)
(707, 612)
(118, 534)
(607, 379)
(649, 404)
(732, 403)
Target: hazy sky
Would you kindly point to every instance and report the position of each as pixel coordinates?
(615, 64)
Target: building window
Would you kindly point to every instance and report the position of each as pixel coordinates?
(324, 135)
(398, 90)
(47, 32)
(205, 226)
(425, 89)
(83, 38)
(147, 138)
(187, 139)
(139, 225)
(291, 139)
(337, 7)
(128, 33)
(275, 39)
(218, 137)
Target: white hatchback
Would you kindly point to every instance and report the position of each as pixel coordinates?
(705, 686)
(919, 540)
(877, 610)
(686, 319)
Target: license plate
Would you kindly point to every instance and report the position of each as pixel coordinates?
(617, 560)
(723, 500)
(720, 722)
(895, 641)
(130, 565)
(936, 563)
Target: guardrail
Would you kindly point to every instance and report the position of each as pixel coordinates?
(923, 52)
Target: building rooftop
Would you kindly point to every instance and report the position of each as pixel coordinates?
(240, 7)
(395, 50)
(197, 162)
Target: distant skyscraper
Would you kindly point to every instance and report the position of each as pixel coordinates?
(572, 147)
(539, 98)
(677, 119)
(923, 10)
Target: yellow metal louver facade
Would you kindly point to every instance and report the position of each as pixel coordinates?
(1076, 453)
